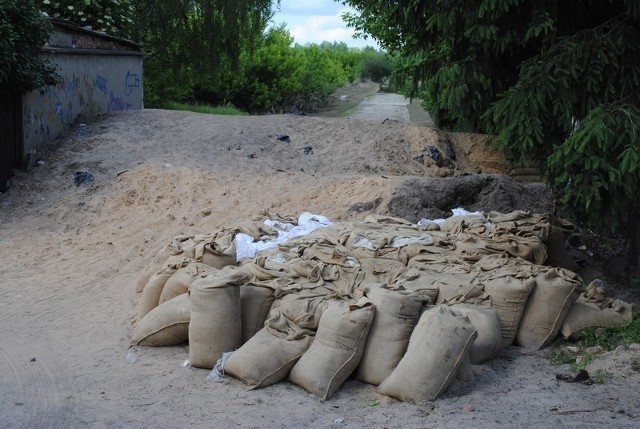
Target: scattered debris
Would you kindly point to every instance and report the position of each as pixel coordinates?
(434, 153)
(80, 177)
(308, 150)
(595, 350)
(581, 377)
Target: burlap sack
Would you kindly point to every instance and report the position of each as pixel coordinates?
(397, 313)
(165, 325)
(509, 297)
(484, 318)
(414, 280)
(255, 305)
(152, 291)
(461, 223)
(151, 270)
(336, 350)
(305, 308)
(215, 325)
(268, 356)
(217, 250)
(555, 291)
(465, 370)
(180, 281)
(584, 315)
(436, 349)
(380, 270)
(163, 258)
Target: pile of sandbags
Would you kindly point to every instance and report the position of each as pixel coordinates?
(407, 307)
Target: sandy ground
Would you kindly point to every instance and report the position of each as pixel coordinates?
(70, 256)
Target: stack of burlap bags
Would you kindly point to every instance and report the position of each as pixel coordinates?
(402, 306)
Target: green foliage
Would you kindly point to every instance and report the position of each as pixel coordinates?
(596, 170)
(610, 338)
(23, 33)
(220, 52)
(194, 47)
(269, 77)
(278, 76)
(558, 83)
(203, 108)
(115, 17)
(375, 65)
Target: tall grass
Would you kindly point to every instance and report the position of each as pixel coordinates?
(204, 108)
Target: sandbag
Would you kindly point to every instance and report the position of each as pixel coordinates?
(165, 325)
(484, 318)
(217, 250)
(547, 306)
(151, 293)
(164, 257)
(584, 315)
(150, 270)
(436, 349)
(255, 305)
(336, 350)
(305, 308)
(412, 279)
(268, 356)
(180, 282)
(215, 325)
(509, 297)
(465, 370)
(397, 312)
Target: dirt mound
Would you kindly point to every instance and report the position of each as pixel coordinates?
(433, 198)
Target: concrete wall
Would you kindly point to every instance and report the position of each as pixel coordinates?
(94, 80)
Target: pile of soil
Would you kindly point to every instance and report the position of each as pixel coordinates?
(70, 256)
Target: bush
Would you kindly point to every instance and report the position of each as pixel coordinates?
(375, 66)
(23, 33)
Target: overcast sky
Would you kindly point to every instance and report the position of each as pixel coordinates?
(314, 21)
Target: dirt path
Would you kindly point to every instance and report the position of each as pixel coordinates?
(70, 256)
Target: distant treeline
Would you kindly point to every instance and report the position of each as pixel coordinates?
(224, 52)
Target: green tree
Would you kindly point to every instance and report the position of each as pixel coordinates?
(375, 65)
(194, 47)
(23, 33)
(115, 17)
(558, 83)
(269, 79)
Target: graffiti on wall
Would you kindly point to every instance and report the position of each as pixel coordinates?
(84, 88)
(117, 103)
(101, 84)
(132, 80)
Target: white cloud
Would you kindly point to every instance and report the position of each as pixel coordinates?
(317, 21)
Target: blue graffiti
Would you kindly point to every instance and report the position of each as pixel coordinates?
(132, 80)
(117, 103)
(59, 111)
(69, 86)
(101, 84)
